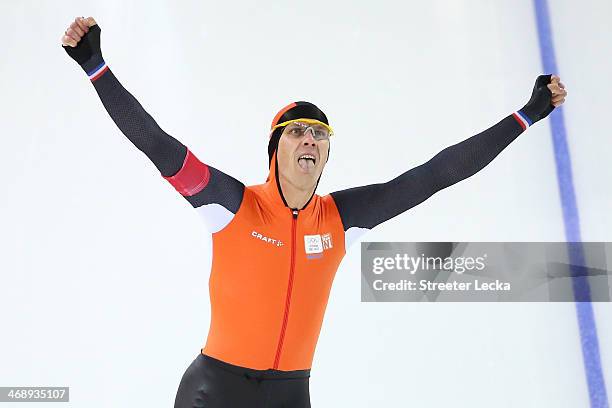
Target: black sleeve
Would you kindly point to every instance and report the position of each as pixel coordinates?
(138, 126)
(368, 206)
(202, 184)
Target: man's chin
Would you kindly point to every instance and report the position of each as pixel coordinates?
(308, 176)
(308, 172)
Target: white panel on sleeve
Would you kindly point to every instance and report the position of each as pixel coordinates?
(353, 234)
(215, 216)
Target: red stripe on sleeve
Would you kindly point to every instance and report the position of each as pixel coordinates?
(519, 121)
(192, 177)
(100, 74)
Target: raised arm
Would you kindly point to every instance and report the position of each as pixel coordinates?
(362, 208)
(216, 195)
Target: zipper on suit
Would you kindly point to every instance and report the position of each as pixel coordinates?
(279, 348)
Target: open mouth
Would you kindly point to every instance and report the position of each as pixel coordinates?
(307, 161)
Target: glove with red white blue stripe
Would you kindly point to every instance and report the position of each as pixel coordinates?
(547, 93)
(88, 54)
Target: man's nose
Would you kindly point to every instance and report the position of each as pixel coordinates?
(309, 136)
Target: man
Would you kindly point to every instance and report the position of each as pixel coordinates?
(277, 245)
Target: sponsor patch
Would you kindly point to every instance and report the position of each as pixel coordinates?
(313, 244)
(269, 240)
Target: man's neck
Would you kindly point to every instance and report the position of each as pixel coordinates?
(296, 196)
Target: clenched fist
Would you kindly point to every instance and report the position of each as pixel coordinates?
(548, 94)
(82, 42)
(77, 30)
(557, 90)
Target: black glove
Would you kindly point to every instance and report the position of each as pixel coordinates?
(87, 52)
(539, 106)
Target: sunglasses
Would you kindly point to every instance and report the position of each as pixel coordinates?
(298, 127)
